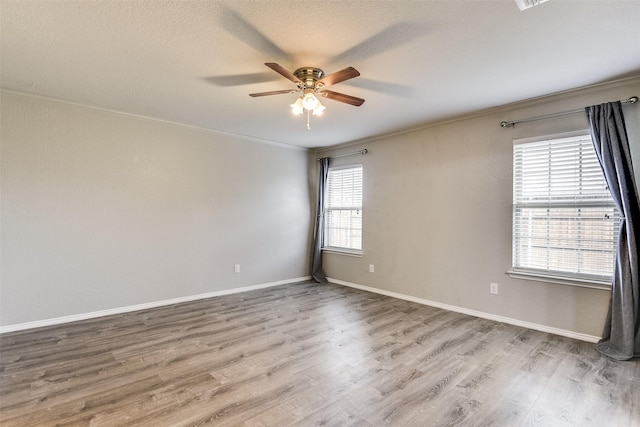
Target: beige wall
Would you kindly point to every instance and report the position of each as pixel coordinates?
(100, 211)
(437, 214)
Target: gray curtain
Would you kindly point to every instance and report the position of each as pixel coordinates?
(621, 336)
(317, 273)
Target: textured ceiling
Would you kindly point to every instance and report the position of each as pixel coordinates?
(195, 62)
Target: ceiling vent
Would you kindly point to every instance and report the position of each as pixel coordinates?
(526, 4)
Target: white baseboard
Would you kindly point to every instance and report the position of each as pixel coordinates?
(475, 313)
(144, 306)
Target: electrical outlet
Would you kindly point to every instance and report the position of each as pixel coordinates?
(236, 268)
(493, 288)
(371, 268)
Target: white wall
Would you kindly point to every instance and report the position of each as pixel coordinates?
(100, 211)
(437, 214)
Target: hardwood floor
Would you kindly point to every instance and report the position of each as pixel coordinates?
(306, 355)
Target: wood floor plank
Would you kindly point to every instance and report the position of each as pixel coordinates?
(308, 354)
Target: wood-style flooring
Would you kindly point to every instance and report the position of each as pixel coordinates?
(308, 355)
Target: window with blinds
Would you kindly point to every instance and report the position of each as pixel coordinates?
(565, 223)
(343, 214)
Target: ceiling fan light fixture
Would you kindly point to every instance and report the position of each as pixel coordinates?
(319, 109)
(296, 107)
(309, 101)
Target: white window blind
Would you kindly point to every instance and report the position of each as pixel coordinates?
(343, 215)
(564, 220)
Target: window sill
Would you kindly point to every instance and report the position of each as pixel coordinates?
(547, 278)
(340, 251)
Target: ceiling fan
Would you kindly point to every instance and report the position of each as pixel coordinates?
(312, 81)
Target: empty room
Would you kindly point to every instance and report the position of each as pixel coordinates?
(301, 213)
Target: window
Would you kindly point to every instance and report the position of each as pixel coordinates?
(343, 215)
(565, 223)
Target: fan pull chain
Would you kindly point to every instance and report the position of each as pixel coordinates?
(308, 119)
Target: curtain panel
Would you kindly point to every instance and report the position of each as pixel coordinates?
(317, 273)
(621, 335)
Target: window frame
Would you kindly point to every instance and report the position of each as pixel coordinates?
(557, 276)
(340, 249)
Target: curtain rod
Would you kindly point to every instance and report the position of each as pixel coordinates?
(505, 124)
(364, 151)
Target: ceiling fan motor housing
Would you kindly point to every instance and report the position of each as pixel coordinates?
(309, 76)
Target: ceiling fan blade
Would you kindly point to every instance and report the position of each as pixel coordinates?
(246, 32)
(340, 76)
(382, 87)
(283, 72)
(386, 40)
(347, 99)
(273, 92)
(241, 79)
